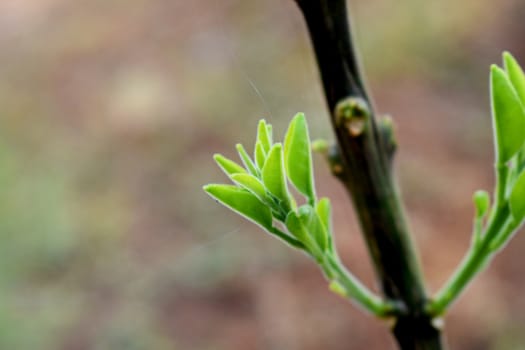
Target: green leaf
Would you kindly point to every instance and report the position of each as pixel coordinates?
(260, 155)
(228, 166)
(508, 116)
(246, 160)
(270, 132)
(516, 75)
(314, 226)
(252, 184)
(263, 137)
(324, 209)
(242, 202)
(517, 199)
(273, 175)
(298, 157)
(338, 289)
(482, 202)
(520, 161)
(296, 228)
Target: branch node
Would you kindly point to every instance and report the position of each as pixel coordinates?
(387, 136)
(336, 162)
(353, 113)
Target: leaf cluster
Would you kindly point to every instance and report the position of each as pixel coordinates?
(495, 223)
(260, 190)
(508, 118)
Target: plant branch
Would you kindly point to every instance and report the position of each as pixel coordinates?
(346, 284)
(477, 258)
(367, 173)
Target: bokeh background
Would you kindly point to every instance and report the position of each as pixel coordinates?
(110, 111)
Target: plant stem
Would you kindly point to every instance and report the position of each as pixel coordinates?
(367, 176)
(358, 292)
(502, 174)
(287, 238)
(474, 262)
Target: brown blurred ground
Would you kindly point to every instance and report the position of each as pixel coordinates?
(110, 112)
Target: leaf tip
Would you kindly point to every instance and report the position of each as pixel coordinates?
(482, 202)
(508, 58)
(299, 117)
(210, 190)
(495, 69)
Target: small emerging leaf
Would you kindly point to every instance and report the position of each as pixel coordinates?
(324, 209)
(273, 175)
(242, 202)
(338, 289)
(517, 199)
(314, 226)
(320, 146)
(263, 137)
(228, 166)
(482, 203)
(295, 227)
(269, 130)
(516, 75)
(246, 160)
(260, 155)
(298, 157)
(252, 184)
(508, 116)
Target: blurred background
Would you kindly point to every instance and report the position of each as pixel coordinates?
(110, 112)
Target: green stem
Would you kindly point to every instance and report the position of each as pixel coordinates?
(359, 293)
(474, 262)
(482, 249)
(288, 239)
(504, 236)
(502, 172)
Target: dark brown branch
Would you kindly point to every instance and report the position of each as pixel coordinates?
(366, 156)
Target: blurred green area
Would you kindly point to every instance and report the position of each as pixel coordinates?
(110, 112)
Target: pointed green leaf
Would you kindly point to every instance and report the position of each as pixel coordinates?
(517, 199)
(263, 137)
(309, 219)
(508, 116)
(273, 175)
(270, 132)
(324, 212)
(246, 160)
(260, 155)
(482, 203)
(516, 75)
(324, 209)
(298, 157)
(242, 202)
(228, 166)
(295, 227)
(252, 184)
